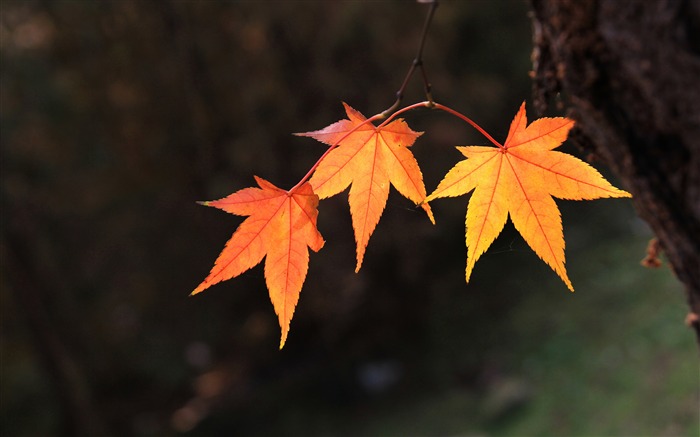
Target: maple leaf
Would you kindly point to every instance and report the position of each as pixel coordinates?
(519, 179)
(370, 158)
(281, 225)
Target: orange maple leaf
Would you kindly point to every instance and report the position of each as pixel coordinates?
(281, 225)
(519, 178)
(369, 158)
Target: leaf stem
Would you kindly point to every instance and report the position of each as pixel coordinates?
(468, 120)
(435, 105)
(424, 104)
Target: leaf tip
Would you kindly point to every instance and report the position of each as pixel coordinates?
(206, 283)
(360, 256)
(428, 211)
(568, 283)
(284, 325)
(468, 271)
(201, 287)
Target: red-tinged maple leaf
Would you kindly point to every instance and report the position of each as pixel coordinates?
(519, 178)
(281, 225)
(369, 158)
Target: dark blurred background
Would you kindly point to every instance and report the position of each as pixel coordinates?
(117, 116)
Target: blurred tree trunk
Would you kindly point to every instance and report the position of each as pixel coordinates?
(630, 71)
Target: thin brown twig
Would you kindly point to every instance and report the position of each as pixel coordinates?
(417, 63)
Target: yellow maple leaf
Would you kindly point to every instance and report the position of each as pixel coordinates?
(519, 179)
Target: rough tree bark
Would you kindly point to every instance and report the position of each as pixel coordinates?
(630, 72)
